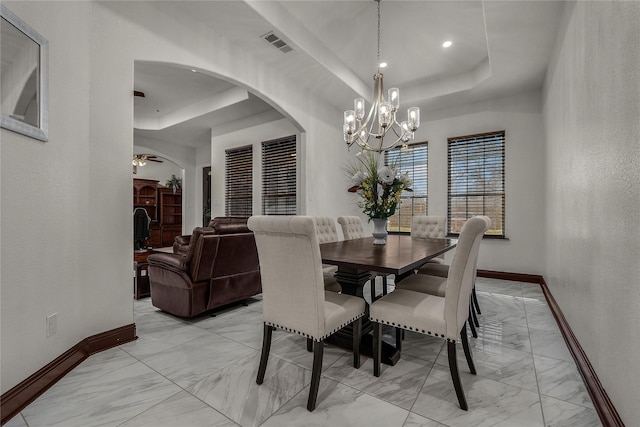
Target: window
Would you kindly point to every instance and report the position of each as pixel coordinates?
(239, 181)
(412, 160)
(476, 181)
(279, 176)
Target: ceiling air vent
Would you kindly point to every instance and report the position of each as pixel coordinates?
(277, 42)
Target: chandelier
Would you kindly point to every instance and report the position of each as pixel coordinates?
(381, 117)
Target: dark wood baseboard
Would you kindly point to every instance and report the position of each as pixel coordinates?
(604, 406)
(16, 399)
(515, 277)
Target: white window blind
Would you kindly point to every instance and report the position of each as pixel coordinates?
(414, 161)
(476, 181)
(239, 181)
(279, 175)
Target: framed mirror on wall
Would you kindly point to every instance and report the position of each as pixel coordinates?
(23, 77)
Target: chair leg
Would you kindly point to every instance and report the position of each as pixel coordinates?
(264, 357)
(357, 331)
(377, 353)
(399, 338)
(455, 375)
(384, 285)
(473, 313)
(475, 300)
(318, 350)
(467, 349)
(309, 345)
(471, 325)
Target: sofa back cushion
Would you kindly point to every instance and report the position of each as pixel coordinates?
(231, 228)
(226, 219)
(237, 254)
(204, 258)
(236, 271)
(197, 232)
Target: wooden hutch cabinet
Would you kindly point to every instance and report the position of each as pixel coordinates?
(163, 206)
(170, 216)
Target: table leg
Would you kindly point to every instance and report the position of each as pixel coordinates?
(352, 283)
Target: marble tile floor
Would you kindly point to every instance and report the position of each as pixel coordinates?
(201, 372)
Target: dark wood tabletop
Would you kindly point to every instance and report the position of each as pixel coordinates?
(401, 254)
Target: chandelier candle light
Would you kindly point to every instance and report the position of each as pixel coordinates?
(381, 117)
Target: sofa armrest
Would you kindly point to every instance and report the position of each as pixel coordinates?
(183, 240)
(175, 262)
(181, 244)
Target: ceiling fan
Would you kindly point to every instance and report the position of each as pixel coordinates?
(142, 159)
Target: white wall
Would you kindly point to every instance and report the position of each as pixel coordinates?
(592, 120)
(66, 234)
(521, 119)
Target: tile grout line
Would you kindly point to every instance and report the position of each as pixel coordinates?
(535, 370)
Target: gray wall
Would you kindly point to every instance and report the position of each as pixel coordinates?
(592, 117)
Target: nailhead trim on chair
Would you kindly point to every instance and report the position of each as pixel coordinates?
(421, 331)
(275, 325)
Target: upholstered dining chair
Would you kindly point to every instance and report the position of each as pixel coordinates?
(442, 270)
(352, 228)
(293, 293)
(429, 227)
(327, 232)
(431, 279)
(434, 226)
(439, 316)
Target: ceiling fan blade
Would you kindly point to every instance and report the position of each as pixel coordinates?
(147, 158)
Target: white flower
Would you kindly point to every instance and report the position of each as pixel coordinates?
(358, 177)
(380, 190)
(404, 177)
(360, 192)
(386, 175)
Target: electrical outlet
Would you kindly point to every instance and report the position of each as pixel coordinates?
(52, 324)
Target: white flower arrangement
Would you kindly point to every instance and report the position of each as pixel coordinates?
(379, 187)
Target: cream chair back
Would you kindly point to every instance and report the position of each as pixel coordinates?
(462, 273)
(352, 227)
(326, 229)
(291, 270)
(428, 227)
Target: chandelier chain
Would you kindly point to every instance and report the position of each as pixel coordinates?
(378, 1)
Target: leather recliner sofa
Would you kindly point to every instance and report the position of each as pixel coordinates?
(220, 267)
(181, 243)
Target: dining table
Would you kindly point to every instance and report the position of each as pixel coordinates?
(357, 258)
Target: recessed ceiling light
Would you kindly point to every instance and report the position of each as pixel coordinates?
(383, 64)
(194, 71)
(447, 43)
